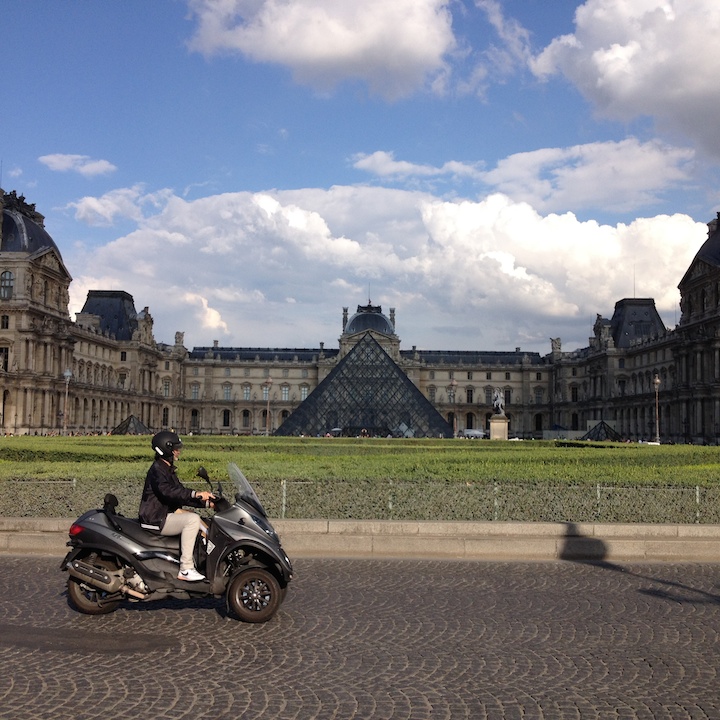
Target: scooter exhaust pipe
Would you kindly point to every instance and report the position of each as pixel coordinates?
(101, 579)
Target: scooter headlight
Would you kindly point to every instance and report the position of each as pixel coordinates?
(263, 525)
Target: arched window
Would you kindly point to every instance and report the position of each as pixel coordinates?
(7, 280)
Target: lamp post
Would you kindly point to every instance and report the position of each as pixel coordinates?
(267, 384)
(67, 375)
(656, 382)
(453, 387)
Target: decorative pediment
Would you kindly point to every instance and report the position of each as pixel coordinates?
(48, 259)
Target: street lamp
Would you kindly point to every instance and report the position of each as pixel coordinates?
(656, 382)
(267, 384)
(67, 375)
(453, 387)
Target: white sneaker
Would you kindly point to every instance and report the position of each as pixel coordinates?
(191, 575)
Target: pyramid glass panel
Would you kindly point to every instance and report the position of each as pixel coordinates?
(367, 393)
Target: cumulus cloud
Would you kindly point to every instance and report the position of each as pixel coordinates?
(82, 164)
(657, 58)
(275, 268)
(395, 47)
(123, 203)
(384, 164)
(615, 176)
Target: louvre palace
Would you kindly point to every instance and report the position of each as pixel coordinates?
(90, 375)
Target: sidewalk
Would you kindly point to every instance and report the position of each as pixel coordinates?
(450, 540)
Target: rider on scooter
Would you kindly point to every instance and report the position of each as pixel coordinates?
(163, 498)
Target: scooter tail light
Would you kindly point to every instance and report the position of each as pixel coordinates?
(75, 529)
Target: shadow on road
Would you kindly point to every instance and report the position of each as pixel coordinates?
(593, 551)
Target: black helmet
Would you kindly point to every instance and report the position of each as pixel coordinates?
(164, 443)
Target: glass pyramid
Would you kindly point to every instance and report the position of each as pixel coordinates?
(366, 394)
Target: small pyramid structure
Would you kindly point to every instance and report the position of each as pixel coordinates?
(131, 425)
(602, 431)
(366, 393)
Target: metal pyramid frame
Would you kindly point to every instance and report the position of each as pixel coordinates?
(366, 394)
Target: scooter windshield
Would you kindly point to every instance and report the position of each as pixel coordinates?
(243, 489)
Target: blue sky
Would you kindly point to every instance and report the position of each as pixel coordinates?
(498, 171)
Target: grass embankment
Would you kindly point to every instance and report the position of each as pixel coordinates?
(406, 479)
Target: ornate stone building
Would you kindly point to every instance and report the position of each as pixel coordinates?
(89, 375)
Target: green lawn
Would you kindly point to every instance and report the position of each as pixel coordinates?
(336, 477)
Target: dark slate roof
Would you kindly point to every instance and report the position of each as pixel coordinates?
(369, 317)
(635, 319)
(709, 251)
(471, 357)
(21, 234)
(285, 355)
(116, 310)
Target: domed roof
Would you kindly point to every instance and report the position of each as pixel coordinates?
(369, 317)
(22, 226)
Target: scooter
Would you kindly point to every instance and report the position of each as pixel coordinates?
(114, 559)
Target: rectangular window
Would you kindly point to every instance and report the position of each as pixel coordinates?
(303, 392)
(538, 396)
(122, 377)
(246, 392)
(167, 366)
(166, 390)
(286, 372)
(508, 396)
(431, 394)
(574, 394)
(266, 392)
(285, 392)
(507, 375)
(196, 371)
(4, 358)
(227, 389)
(469, 395)
(123, 356)
(5, 322)
(195, 392)
(488, 396)
(469, 375)
(166, 417)
(488, 376)
(538, 376)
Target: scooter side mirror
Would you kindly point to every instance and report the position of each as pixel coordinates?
(202, 472)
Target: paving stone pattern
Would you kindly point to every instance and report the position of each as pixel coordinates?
(401, 639)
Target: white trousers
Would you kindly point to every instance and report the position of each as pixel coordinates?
(186, 525)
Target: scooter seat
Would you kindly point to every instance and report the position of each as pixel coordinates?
(150, 538)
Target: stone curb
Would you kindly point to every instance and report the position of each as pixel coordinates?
(449, 540)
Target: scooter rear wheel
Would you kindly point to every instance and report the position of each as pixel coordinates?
(254, 595)
(89, 600)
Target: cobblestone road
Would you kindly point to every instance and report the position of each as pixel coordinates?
(376, 639)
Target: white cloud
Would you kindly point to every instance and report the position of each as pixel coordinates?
(395, 47)
(609, 176)
(82, 164)
(124, 203)
(657, 58)
(490, 274)
(383, 164)
(612, 176)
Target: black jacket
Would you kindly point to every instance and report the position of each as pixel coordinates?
(163, 493)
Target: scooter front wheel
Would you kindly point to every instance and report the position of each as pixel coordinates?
(88, 599)
(254, 595)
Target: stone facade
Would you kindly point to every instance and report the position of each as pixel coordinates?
(59, 376)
